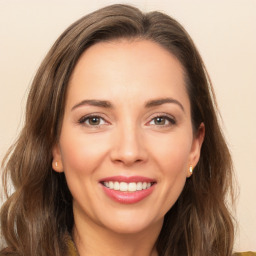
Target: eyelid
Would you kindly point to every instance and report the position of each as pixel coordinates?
(169, 117)
(84, 118)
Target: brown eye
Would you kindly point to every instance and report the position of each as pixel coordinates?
(162, 121)
(92, 121)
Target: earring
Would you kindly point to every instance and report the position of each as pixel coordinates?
(191, 169)
(56, 164)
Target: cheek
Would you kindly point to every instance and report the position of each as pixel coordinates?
(81, 157)
(173, 161)
(172, 154)
(80, 154)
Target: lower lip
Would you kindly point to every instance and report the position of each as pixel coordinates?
(128, 197)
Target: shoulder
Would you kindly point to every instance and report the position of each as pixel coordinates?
(245, 254)
(72, 251)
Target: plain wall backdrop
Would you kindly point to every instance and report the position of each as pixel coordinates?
(225, 34)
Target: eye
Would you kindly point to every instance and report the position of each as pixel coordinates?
(162, 121)
(92, 120)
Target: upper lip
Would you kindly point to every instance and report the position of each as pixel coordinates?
(128, 179)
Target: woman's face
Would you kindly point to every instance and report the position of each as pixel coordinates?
(126, 142)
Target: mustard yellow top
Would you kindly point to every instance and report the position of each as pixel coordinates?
(73, 251)
(245, 254)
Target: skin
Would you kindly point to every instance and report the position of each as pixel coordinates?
(127, 140)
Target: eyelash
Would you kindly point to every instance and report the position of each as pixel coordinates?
(166, 117)
(83, 121)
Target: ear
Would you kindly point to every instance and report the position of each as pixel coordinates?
(196, 148)
(57, 164)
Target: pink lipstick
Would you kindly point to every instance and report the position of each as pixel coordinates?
(128, 190)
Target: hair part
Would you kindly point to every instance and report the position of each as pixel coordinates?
(37, 216)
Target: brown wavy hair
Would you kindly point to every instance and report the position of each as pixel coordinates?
(37, 216)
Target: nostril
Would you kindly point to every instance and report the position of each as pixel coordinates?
(128, 162)
(128, 149)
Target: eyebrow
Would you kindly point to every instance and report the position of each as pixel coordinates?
(107, 104)
(158, 102)
(96, 103)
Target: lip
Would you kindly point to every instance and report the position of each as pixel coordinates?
(128, 197)
(128, 179)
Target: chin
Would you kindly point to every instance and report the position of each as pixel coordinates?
(131, 223)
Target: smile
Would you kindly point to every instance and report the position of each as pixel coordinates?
(124, 186)
(128, 190)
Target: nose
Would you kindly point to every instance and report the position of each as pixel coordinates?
(128, 147)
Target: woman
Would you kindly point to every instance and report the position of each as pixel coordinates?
(121, 146)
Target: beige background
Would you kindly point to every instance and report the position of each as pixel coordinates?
(223, 30)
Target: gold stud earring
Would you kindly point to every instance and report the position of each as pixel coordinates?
(191, 169)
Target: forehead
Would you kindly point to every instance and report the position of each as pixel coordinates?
(127, 51)
(125, 67)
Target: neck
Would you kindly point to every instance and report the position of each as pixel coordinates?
(94, 240)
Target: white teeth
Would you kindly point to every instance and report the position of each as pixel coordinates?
(139, 186)
(132, 187)
(111, 185)
(124, 186)
(116, 185)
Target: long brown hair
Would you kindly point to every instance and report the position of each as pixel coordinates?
(37, 216)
